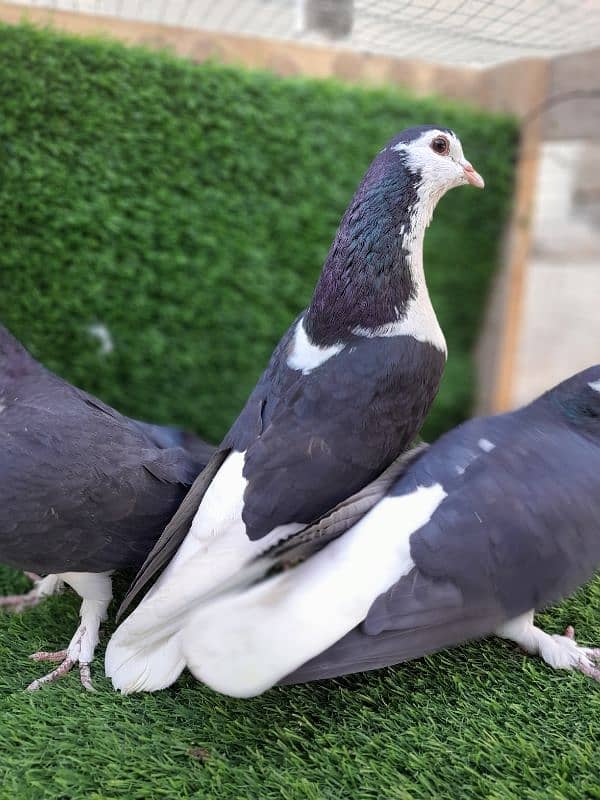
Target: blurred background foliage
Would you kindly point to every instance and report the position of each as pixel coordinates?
(188, 209)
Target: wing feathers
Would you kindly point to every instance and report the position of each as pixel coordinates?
(175, 532)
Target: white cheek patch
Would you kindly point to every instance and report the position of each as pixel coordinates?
(306, 356)
(438, 173)
(595, 385)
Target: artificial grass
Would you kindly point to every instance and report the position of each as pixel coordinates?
(480, 721)
(189, 209)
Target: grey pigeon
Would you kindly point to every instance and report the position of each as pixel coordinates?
(344, 393)
(83, 491)
(498, 518)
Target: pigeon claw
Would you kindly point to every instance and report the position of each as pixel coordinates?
(589, 657)
(68, 659)
(19, 602)
(42, 588)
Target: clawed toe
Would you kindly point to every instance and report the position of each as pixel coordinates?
(43, 587)
(590, 656)
(55, 675)
(587, 668)
(85, 676)
(67, 665)
(68, 660)
(19, 602)
(42, 655)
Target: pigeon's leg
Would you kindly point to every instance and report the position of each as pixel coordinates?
(560, 652)
(43, 587)
(95, 590)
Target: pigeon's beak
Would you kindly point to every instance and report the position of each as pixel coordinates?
(472, 176)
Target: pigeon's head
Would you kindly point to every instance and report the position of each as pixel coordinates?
(434, 156)
(579, 399)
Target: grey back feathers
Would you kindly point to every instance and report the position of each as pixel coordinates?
(82, 488)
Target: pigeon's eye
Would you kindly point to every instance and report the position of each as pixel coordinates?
(440, 145)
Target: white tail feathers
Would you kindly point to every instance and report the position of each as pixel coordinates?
(139, 666)
(243, 643)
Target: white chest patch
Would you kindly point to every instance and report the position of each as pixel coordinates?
(595, 385)
(420, 322)
(243, 643)
(306, 356)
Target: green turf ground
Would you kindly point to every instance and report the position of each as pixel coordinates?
(481, 721)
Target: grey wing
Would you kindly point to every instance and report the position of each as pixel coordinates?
(518, 531)
(336, 430)
(416, 617)
(71, 502)
(81, 486)
(343, 516)
(174, 533)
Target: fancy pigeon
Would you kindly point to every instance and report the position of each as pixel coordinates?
(498, 518)
(344, 393)
(83, 491)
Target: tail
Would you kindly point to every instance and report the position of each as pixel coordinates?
(137, 666)
(243, 642)
(145, 652)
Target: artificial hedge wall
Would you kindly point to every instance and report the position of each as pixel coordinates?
(188, 209)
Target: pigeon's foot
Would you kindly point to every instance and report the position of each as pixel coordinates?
(43, 587)
(68, 659)
(559, 652)
(567, 654)
(95, 589)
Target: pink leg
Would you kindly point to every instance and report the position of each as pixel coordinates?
(95, 590)
(66, 664)
(44, 587)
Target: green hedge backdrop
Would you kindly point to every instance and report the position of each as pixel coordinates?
(189, 209)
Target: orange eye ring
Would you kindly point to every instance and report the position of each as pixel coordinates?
(440, 145)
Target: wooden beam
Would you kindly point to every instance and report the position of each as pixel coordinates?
(517, 252)
(508, 88)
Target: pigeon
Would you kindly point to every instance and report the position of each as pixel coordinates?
(498, 518)
(346, 390)
(83, 491)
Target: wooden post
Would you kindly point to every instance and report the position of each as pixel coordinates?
(517, 250)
